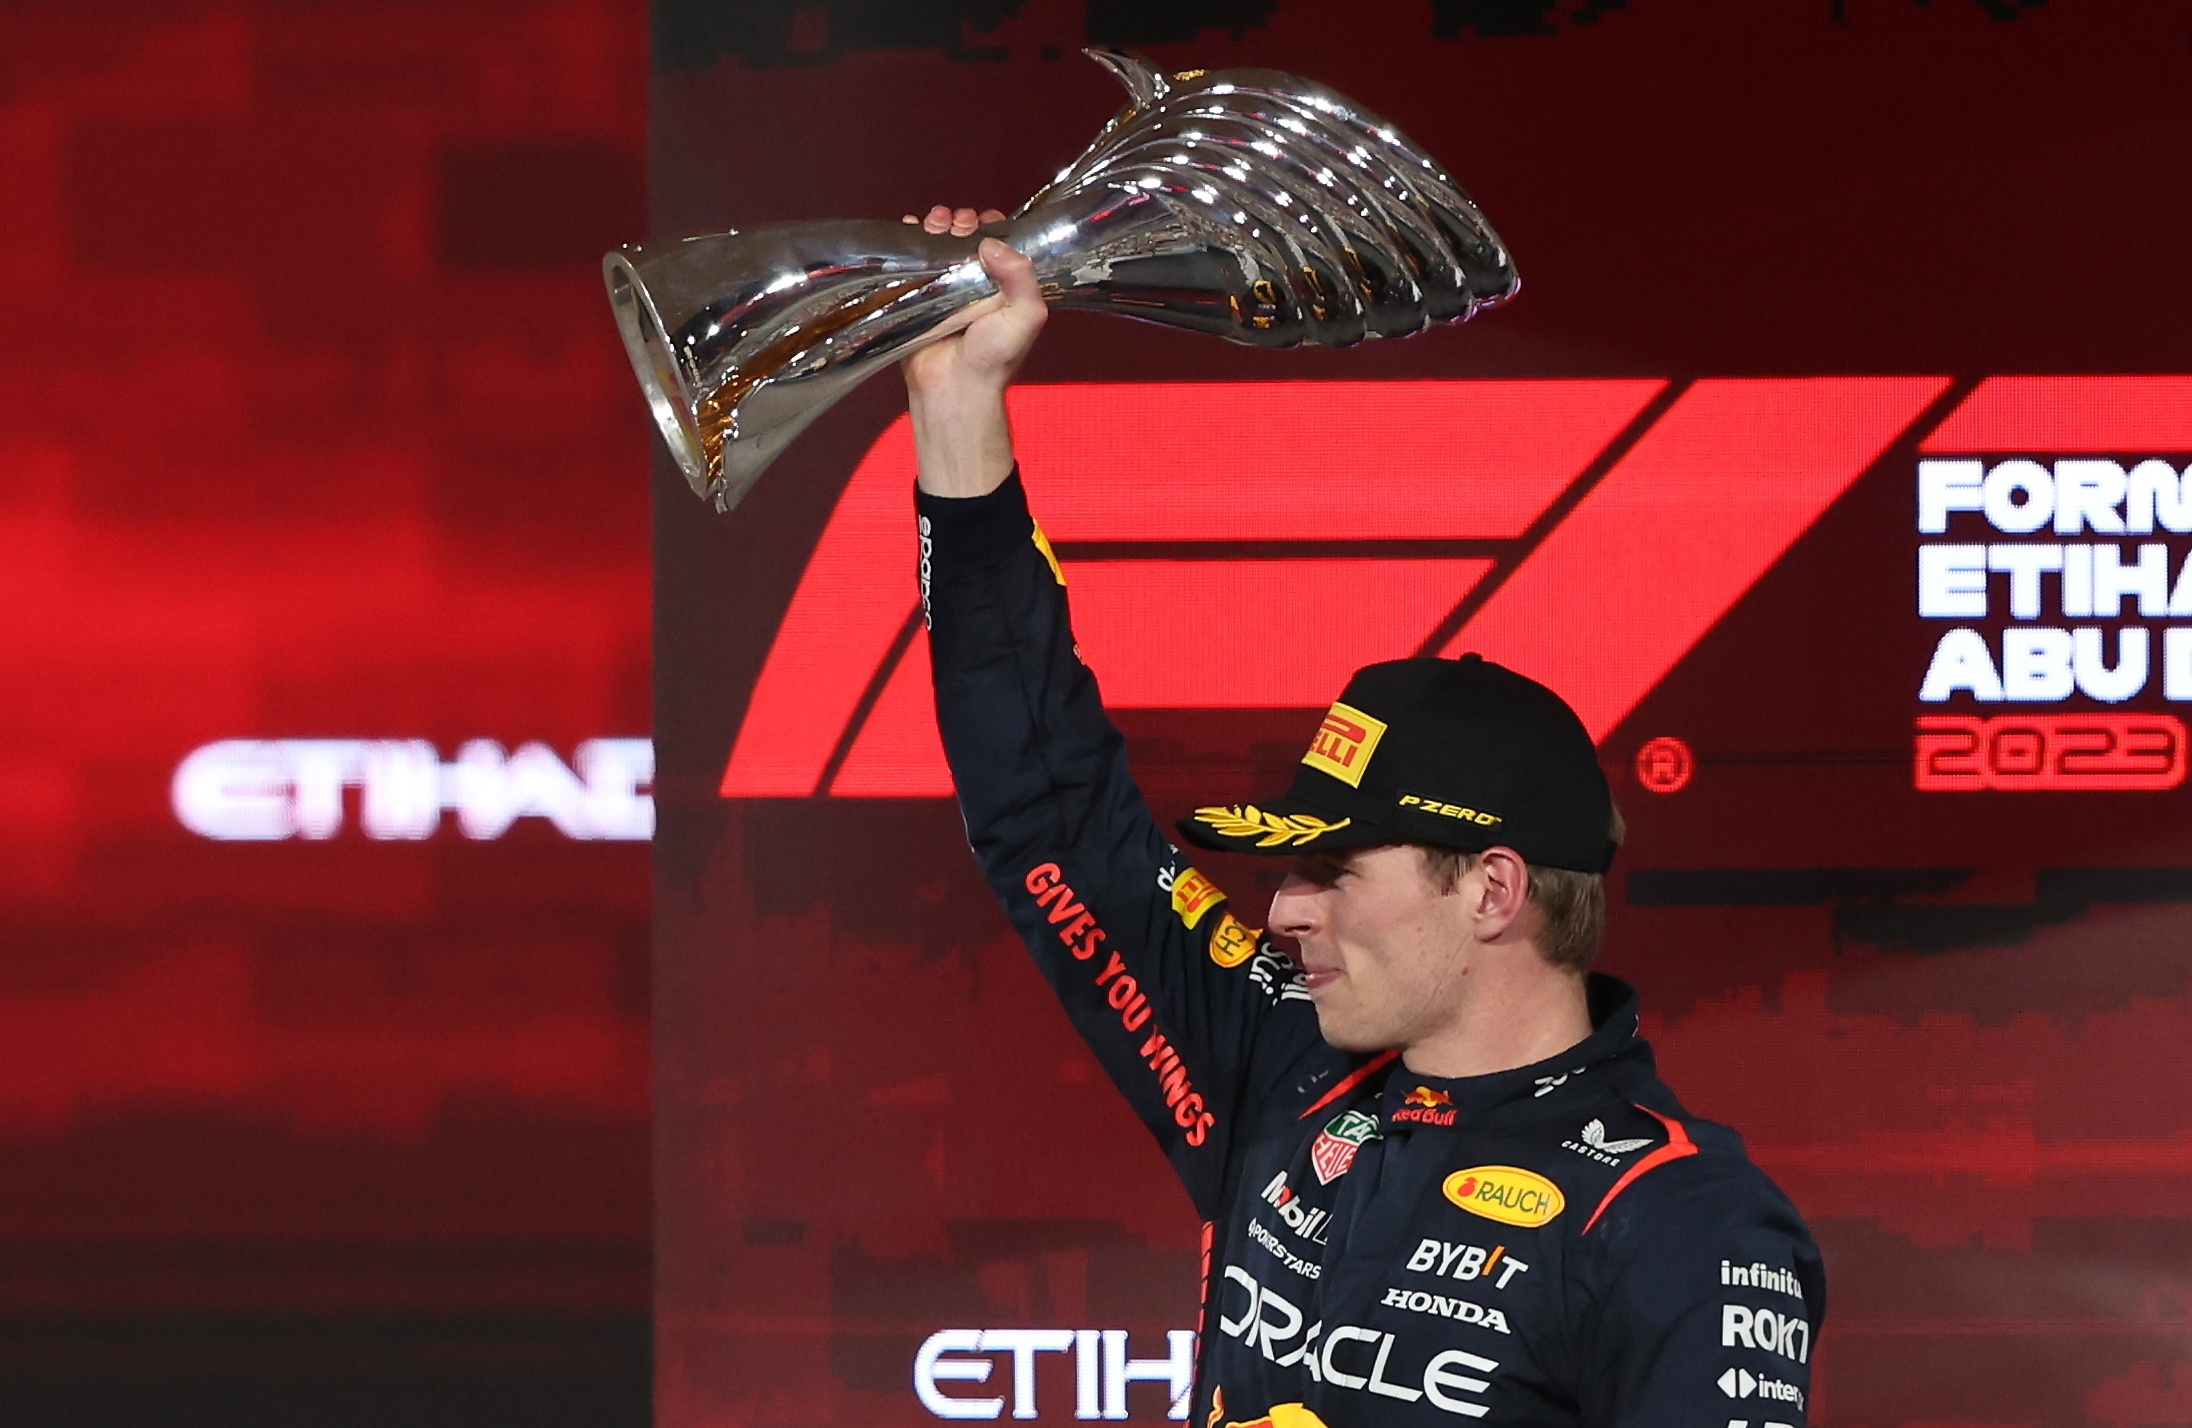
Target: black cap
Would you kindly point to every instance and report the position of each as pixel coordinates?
(1460, 753)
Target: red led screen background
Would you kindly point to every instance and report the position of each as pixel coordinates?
(313, 428)
(1795, 276)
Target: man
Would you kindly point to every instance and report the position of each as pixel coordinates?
(1440, 1178)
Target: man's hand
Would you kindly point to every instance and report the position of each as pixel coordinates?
(955, 387)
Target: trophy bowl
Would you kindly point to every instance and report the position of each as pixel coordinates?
(1250, 204)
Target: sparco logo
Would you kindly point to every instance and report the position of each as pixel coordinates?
(928, 552)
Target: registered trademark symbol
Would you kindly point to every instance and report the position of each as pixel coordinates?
(1665, 764)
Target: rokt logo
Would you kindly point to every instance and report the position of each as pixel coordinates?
(1783, 1334)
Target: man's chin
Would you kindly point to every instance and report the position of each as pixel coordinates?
(1340, 1034)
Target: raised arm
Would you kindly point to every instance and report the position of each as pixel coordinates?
(955, 388)
(1175, 995)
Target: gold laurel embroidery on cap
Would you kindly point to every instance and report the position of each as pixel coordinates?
(1270, 830)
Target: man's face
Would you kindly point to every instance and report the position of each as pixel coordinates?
(1385, 949)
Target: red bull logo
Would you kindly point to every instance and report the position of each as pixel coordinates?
(1424, 1106)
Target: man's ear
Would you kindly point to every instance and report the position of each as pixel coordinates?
(1506, 895)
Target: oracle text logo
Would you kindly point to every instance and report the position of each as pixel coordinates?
(266, 790)
(2063, 512)
(1587, 533)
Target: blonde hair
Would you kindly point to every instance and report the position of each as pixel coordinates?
(1571, 905)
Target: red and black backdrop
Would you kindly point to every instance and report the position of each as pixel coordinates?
(1836, 317)
(324, 910)
(319, 463)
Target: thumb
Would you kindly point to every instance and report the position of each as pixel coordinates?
(1011, 270)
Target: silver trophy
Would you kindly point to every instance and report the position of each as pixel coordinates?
(1246, 203)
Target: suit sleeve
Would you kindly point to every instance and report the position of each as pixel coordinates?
(1713, 1314)
(1181, 1001)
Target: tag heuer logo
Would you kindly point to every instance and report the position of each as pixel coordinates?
(1336, 1144)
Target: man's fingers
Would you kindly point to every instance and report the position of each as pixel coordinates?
(958, 222)
(1011, 271)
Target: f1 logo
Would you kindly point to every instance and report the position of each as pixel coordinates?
(1587, 533)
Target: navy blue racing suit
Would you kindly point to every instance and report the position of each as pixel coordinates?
(1560, 1244)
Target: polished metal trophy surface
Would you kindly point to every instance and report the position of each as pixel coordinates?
(1246, 203)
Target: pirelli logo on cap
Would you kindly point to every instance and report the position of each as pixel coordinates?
(1344, 744)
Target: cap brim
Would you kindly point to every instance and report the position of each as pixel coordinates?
(1282, 828)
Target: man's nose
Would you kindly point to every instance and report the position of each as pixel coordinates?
(1294, 907)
